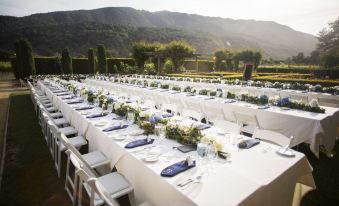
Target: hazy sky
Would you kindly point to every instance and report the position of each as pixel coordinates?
(309, 16)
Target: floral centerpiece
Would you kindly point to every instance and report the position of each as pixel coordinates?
(183, 134)
(176, 88)
(164, 86)
(203, 92)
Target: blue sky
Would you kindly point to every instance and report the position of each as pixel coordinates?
(309, 16)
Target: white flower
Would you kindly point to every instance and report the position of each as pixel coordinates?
(314, 103)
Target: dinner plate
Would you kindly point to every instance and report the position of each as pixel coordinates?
(101, 124)
(136, 132)
(151, 157)
(85, 112)
(119, 137)
(285, 152)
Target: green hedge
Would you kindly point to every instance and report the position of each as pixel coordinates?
(332, 73)
(50, 65)
(203, 65)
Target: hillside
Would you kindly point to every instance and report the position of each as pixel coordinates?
(119, 26)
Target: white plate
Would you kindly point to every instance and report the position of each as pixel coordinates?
(285, 152)
(119, 137)
(151, 158)
(85, 112)
(101, 124)
(136, 133)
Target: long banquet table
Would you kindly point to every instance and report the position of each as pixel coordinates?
(257, 176)
(313, 128)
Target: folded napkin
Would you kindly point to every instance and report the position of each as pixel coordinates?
(116, 127)
(118, 118)
(67, 97)
(208, 98)
(63, 94)
(190, 95)
(176, 168)
(75, 102)
(138, 143)
(97, 115)
(230, 101)
(203, 126)
(246, 144)
(84, 108)
(263, 107)
(166, 115)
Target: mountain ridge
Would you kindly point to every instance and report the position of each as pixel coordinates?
(274, 39)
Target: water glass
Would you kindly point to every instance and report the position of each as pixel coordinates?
(130, 117)
(160, 131)
(96, 102)
(110, 107)
(202, 150)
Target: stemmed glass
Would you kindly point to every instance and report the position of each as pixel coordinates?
(110, 107)
(96, 102)
(212, 155)
(160, 132)
(130, 117)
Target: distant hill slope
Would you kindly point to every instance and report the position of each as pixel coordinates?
(118, 26)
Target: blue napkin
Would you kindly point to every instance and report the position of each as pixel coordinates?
(203, 126)
(67, 97)
(208, 98)
(96, 115)
(84, 108)
(118, 118)
(176, 168)
(75, 102)
(166, 115)
(246, 144)
(263, 107)
(138, 143)
(230, 101)
(63, 94)
(116, 127)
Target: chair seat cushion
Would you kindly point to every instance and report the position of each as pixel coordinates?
(60, 121)
(68, 130)
(113, 183)
(95, 159)
(51, 109)
(56, 115)
(77, 142)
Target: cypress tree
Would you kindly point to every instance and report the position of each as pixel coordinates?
(102, 61)
(27, 60)
(66, 62)
(91, 61)
(18, 61)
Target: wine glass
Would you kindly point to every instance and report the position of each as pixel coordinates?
(96, 102)
(110, 107)
(212, 155)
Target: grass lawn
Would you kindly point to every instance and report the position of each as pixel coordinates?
(29, 175)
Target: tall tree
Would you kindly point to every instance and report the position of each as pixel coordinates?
(27, 60)
(219, 58)
(138, 52)
(329, 44)
(257, 58)
(66, 62)
(18, 62)
(177, 51)
(102, 61)
(91, 60)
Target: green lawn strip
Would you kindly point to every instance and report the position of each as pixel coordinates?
(29, 175)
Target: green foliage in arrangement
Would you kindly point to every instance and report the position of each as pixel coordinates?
(102, 61)
(91, 61)
(66, 62)
(190, 135)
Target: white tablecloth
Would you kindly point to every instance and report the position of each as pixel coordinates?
(313, 128)
(253, 177)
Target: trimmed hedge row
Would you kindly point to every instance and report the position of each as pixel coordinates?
(325, 83)
(51, 65)
(332, 73)
(203, 65)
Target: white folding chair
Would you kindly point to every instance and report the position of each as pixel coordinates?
(59, 140)
(248, 122)
(272, 137)
(227, 126)
(328, 102)
(116, 183)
